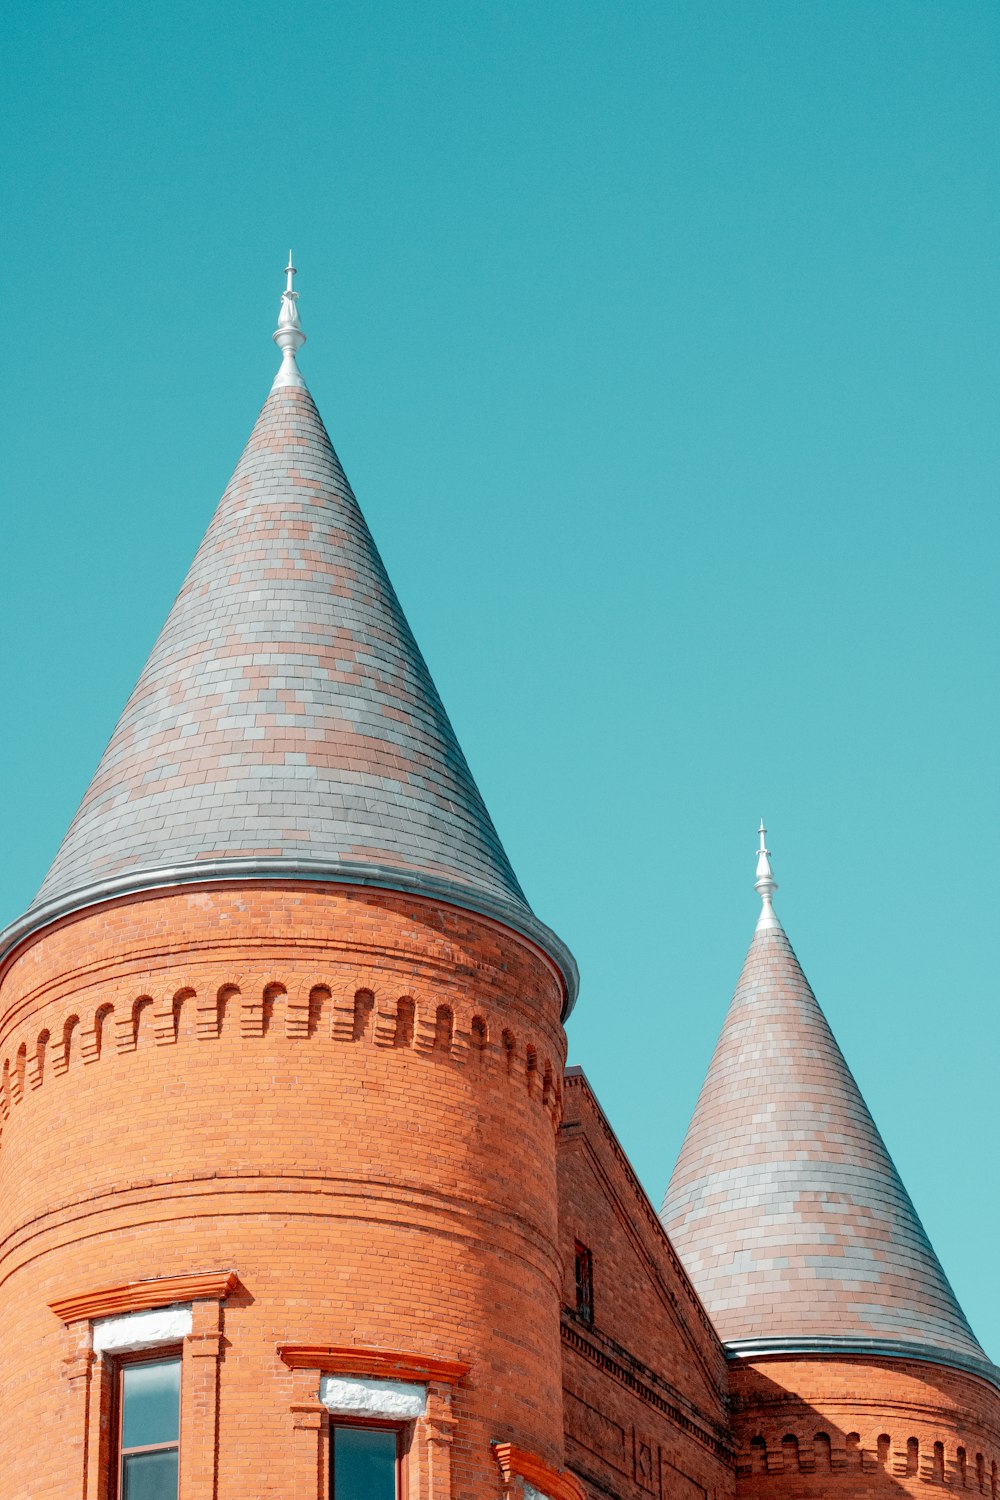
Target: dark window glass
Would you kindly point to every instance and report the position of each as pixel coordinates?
(363, 1463)
(584, 1284)
(150, 1476)
(150, 1396)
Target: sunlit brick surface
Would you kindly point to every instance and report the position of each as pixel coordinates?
(785, 1205)
(211, 1095)
(286, 710)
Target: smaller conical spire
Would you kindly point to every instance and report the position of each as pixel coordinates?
(765, 884)
(288, 335)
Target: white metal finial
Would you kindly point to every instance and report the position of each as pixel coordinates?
(765, 884)
(288, 335)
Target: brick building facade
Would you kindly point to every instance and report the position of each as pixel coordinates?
(297, 1196)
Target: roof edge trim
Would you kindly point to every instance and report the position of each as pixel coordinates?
(932, 1354)
(520, 920)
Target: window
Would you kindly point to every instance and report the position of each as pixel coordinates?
(584, 1283)
(364, 1463)
(149, 1410)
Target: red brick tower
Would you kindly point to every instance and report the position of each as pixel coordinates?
(852, 1367)
(282, 1052)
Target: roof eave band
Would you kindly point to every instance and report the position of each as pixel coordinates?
(876, 1348)
(381, 877)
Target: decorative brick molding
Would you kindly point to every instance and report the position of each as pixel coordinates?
(382, 1364)
(137, 1296)
(429, 1456)
(862, 1426)
(623, 1367)
(348, 1013)
(90, 1376)
(518, 1464)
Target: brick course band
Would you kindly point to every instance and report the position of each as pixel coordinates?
(315, 1010)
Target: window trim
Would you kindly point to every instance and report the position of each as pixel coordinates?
(89, 1373)
(160, 1354)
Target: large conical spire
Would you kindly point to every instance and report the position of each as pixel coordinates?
(285, 725)
(784, 1205)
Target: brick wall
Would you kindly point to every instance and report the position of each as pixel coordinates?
(857, 1427)
(226, 1078)
(645, 1383)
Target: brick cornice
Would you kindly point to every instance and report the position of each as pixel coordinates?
(139, 1296)
(558, 1484)
(644, 1383)
(384, 1364)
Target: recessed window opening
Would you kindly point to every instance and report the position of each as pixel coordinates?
(912, 1455)
(758, 1455)
(149, 1411)
(790, 1453)
(584, 1270)
(364, 1463)
(444, 1026)
(404, 1022)
(364, 1004)
(101, 1018)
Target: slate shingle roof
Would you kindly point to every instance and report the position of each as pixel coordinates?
(285, 720)
(784, 1205)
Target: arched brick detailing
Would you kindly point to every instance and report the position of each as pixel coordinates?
(204, 1011)
(853, 1427)
(340, 1176)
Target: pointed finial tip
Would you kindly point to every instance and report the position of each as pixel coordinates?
(288, 335)
(765, 884)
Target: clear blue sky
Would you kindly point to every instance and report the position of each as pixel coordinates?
(660, 343)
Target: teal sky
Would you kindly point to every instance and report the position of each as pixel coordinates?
(660, 344)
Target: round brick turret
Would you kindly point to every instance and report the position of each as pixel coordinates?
(853, 1368)
(346, 1097)
(281, 1045)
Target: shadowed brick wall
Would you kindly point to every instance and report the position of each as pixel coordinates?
(859, 1427)
(645, 1380)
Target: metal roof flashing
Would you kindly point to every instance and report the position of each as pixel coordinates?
(852, 1348)
(516, 918)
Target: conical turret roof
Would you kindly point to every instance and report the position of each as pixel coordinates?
(285, 724)
(785, 1205)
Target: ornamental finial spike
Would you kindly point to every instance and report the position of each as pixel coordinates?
(765, 884)
(288, 335)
